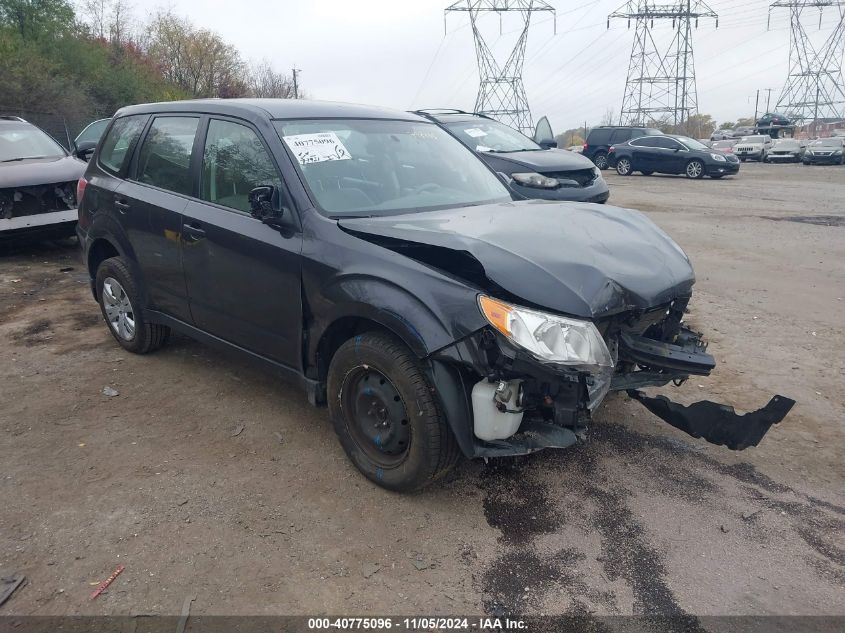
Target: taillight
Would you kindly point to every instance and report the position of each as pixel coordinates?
(80, 190)
(585, 147)
(611, 149)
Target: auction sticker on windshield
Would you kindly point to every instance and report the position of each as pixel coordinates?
(317, 148)
(474, 132)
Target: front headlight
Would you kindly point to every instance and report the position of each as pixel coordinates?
(596, 172)
(548, 337)
(538, 181)
(718, 157)
(839, 151)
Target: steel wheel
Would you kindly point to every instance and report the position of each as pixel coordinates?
(376, 416)
(695, 169)
(623, 167)
(600, 160)
(118, 308)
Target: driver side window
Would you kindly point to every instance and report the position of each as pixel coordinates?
(234, 163)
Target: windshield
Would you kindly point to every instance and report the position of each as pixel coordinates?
(22, 140)
(382, 167)
(828, 142)
(691, 143)
(754, 139)
(483, 135)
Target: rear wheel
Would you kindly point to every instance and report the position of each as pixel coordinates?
(695, 169)
(623, 166)
(600, 160)
(387, 415)
(120, 303)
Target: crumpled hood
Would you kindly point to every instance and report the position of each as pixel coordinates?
(585, 260)
(547, 160)
(40, 171)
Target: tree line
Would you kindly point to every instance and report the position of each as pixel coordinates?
(87, 60)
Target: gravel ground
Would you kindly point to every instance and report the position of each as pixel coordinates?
(204, 476)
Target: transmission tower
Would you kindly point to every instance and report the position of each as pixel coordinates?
(660, 88)
(501, 93)
(814, 88)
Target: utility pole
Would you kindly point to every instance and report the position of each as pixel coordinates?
(295, 72)
(501, 93)
(757, 106)
(815, 85)
(768, 99)
(660, 87)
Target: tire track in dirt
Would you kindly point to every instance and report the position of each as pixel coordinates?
(519, 503)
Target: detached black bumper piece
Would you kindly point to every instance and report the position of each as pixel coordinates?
(718, 423)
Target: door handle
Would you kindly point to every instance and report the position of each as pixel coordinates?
(121, 205)
(192, 232)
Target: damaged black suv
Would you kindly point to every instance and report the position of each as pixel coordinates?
(370, 256)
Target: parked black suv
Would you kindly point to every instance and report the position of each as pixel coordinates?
(535, 167)
(370, 256)
(601, 138)
(37, 182)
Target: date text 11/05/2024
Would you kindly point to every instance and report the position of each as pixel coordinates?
(418, 624)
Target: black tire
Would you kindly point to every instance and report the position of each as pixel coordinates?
(742, 159)
(694, 169)
(145, 336)
(418, 447)
(624, 166)
(600, 160)
(647, 173)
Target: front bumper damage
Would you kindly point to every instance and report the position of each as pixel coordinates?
(557, 402)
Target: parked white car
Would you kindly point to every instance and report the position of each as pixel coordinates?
(755, 147)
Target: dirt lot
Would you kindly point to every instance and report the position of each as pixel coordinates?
(274, 519)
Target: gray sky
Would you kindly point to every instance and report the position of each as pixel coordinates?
(394, 52)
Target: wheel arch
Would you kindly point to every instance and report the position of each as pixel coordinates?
(99, 251)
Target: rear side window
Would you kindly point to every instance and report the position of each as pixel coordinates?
(165, 157)
(234, 163)
(620, 136)
(599, 137)
(645, 142)
(114, 151)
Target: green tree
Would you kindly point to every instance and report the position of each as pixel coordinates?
(35, 19)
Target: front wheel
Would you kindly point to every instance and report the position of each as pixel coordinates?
(600, 160)
(387, 415)
(695, 169)
(120, 303)
(623, 167)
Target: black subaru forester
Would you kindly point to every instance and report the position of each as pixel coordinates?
(373, 258)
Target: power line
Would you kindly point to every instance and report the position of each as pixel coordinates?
(660, 87)
(815, 86)
(501, 92)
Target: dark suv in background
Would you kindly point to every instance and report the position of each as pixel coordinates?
(369, 256)
(600, 139)
(535, 167)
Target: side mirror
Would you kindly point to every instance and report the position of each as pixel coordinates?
(262, 205)
(548, 144)
(85, 150)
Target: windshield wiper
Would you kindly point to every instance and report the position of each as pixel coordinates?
(513, 151)
(14, 160)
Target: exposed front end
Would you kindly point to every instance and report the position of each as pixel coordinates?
(45, 209)
(525, 395)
